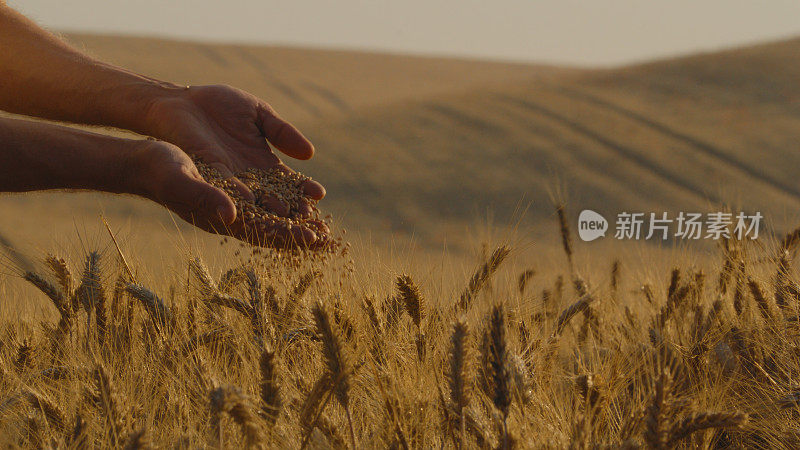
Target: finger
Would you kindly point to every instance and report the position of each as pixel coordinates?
(273, 204)
(314, 190)
(303, 236)
(320, 228)
(305, 209)
(201, 204)
(283, 135)
(242, 188)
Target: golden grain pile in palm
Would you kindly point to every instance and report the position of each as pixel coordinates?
(256, 220)
(309, 354)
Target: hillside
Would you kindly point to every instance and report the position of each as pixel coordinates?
(425, 147)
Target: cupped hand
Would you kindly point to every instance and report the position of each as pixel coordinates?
(163, 173)
(229, 129)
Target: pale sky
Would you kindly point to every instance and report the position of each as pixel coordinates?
(582, 32)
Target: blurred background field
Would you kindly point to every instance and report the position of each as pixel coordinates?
(435, 151)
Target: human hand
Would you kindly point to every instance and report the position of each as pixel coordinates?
(163, 173)
(229, 129)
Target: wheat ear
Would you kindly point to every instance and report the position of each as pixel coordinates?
(656, 416)
(62, 273)
(336, 360)
(703, 421)
(231, 401)
(457, 374)
(415, 307)
(268, 387)
(498, 362)
(482, 275)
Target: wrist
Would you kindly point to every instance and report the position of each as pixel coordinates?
(134, 169)
(145, 100)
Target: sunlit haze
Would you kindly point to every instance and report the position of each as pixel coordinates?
(557, 31)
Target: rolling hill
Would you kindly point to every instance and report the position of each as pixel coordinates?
(430, 147)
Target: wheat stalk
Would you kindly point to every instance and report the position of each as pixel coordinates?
(412, 299)
(207, 285)
(228, 301)
(615, 270)
(297, 294)
(738, 294)
(314, 404)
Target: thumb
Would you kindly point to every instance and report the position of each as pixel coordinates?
(202, 204)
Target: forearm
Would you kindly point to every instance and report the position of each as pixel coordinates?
(42, 76)
(39, 156)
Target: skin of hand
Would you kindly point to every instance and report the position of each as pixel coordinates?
(166, 175)
(45, 77)
(229, 129)
(40, 156)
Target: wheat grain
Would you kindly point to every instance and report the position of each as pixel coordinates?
(260, 222)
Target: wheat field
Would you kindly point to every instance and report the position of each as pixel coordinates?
(309, 350)
(465, 314)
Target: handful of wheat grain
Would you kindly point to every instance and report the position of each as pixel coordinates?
(257, 221)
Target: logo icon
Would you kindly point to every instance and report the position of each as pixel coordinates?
(591, 225)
